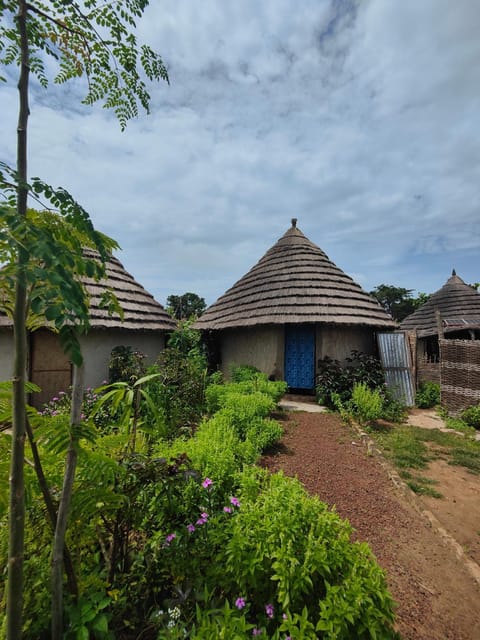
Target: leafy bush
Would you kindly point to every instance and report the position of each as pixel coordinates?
(335, 378)
(471, 416)
(428, 395)
(243, 373)
(336, 385)
(177, 384)
(185, 538)
(234, 436)
(289, 558)
(393, 410)
(126, 365)
(216, 394)
(366, 404)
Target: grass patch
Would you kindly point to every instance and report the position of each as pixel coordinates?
(410, 447)
(403, 447)
(420, 484)
(468, 457)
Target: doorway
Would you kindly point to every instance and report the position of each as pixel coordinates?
(300, 357)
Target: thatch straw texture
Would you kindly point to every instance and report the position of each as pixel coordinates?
(459, 307)
(294, 282)
(141, 311)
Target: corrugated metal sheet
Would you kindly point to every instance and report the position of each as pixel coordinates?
(395, 358)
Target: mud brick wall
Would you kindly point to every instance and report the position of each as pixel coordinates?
(459, 374)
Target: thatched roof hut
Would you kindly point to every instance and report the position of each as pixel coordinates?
(295, 299)
(141, 312)
(451, 315)
(456, 303)
(142, 328)
(295, 282)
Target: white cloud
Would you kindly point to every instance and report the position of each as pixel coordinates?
(358, 118)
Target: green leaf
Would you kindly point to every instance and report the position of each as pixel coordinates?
(100, 623)
(82, 633)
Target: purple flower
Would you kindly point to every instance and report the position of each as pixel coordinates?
(269, 609)
(227, 509)
(207, 483)
(240, 603)
(203, 519)
(55, 399)
(235, 501)
(257, 632)
(169, 538)
(190, 528)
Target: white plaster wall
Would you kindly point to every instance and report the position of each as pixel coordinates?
(98, 345)
(337, 343)
(6, 354)
(260, 347)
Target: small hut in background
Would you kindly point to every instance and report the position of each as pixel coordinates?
(444, 335)
(294, 307)
(452, 312)
(143, 328)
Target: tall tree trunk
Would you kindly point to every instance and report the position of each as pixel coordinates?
(17, 489)
(64, 506)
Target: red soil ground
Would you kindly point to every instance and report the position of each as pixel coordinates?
(438, 598)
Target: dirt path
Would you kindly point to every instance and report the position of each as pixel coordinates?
(438, 599)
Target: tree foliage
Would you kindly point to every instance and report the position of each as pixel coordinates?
(91, 39)
(185, 306)
(397, 301)
(96, 40)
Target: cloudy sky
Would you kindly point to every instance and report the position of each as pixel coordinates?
(359, 118)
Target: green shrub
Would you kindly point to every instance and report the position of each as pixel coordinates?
(366, 405)
(243, 373)
(471, 416)
(125, 365)
(178, 390)
(428, 395)
(393, 410)
(335, 378)
(286, 549)
(216, 394)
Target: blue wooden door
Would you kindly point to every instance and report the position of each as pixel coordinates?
(300, 356)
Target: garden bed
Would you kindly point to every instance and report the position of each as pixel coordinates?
(437, 597)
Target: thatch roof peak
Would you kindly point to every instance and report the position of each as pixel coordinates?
(458, 304)
(294, 282)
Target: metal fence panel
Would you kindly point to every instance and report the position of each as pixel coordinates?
(395, 359)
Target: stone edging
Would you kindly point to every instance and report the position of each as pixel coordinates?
(448, 540)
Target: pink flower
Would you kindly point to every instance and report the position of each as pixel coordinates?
(235, 501)
(227, 509)
(257, 632)
(240, 603)
(207, 483)
(169, 538)
(203, 519)
(190, 528)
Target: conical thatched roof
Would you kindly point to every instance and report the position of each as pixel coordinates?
(141, 311)
(294, 282)
(459, 306)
